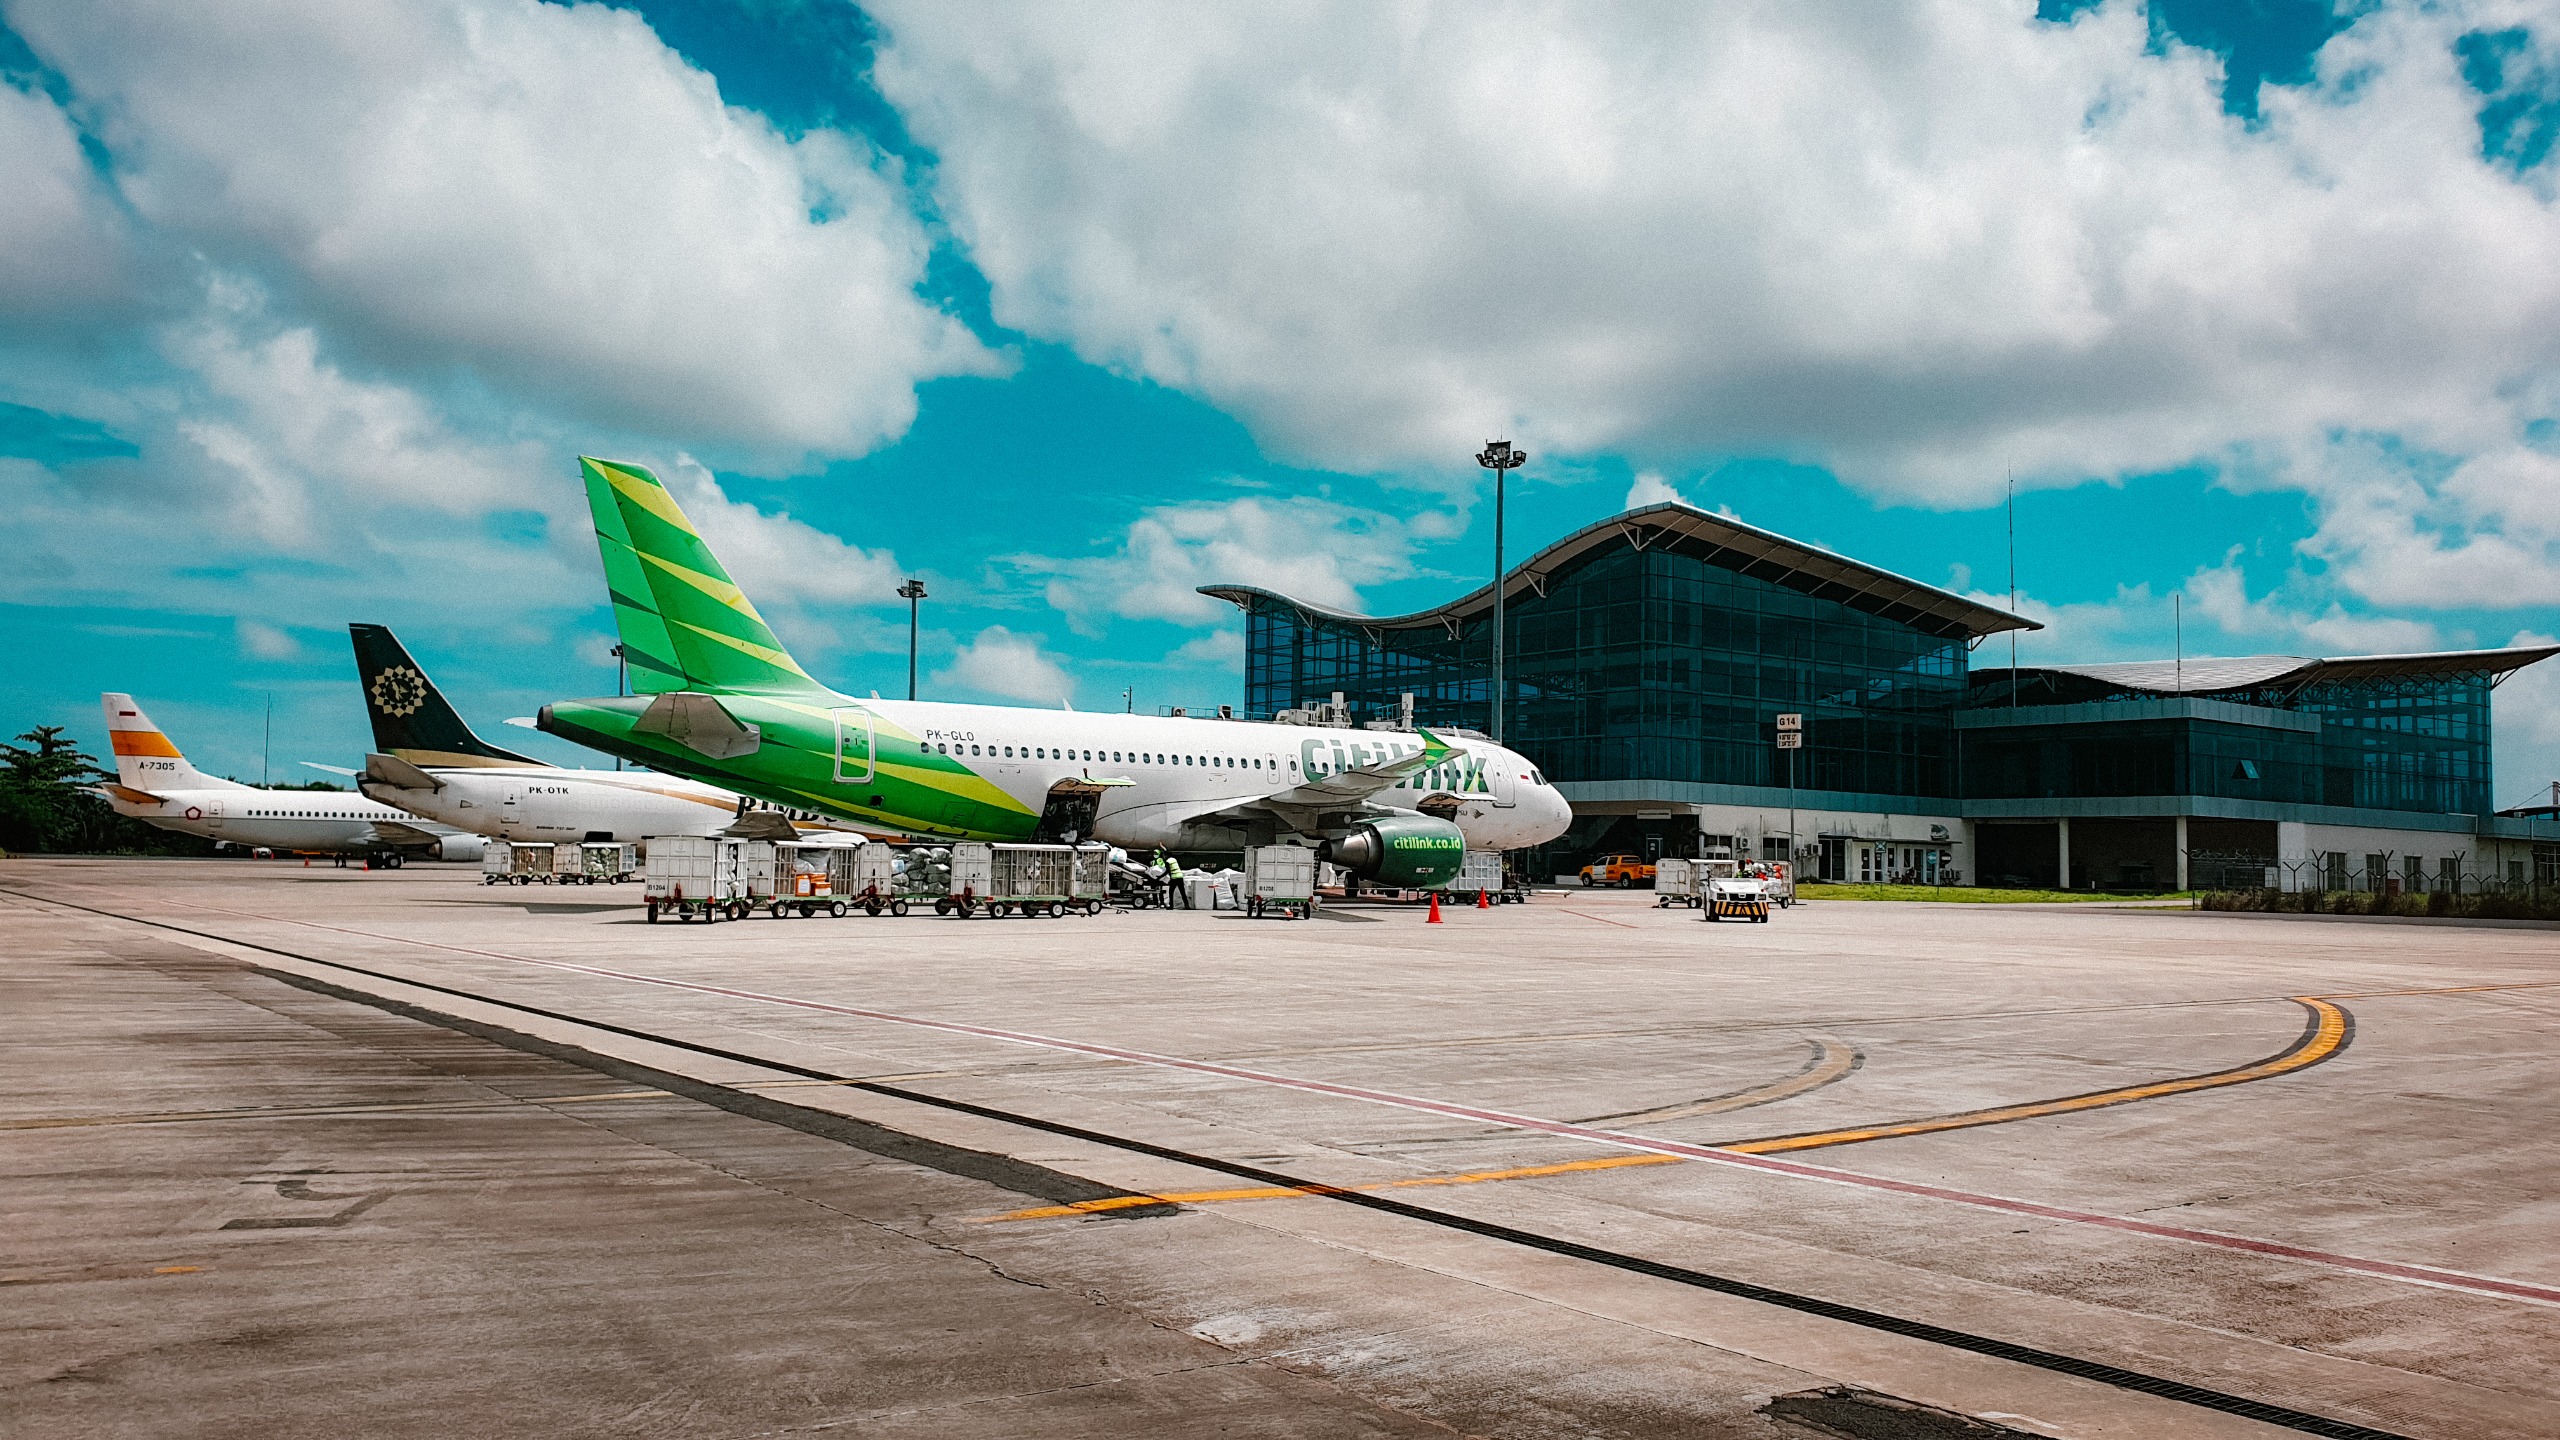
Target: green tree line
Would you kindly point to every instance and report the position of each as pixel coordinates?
(46, 807)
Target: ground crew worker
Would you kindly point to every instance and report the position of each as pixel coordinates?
(1173, 877)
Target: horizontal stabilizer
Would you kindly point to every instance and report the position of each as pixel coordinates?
(399, 774)
(330, 769)
(699, 723)
(129, 795)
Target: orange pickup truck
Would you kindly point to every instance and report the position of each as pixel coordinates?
(1624, 871)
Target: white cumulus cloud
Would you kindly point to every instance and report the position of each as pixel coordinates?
(1651, 489)
(1922, 244)
(62, 245)
(1319, 551)
(544, 194)
(1000, 662)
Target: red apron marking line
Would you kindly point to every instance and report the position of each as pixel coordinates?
(2387, 1269)
(1621, 924)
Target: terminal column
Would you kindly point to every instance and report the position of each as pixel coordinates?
(2062, 848)
(2182, 852)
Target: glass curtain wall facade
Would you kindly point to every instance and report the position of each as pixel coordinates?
(2418, 744)
(1651, 664)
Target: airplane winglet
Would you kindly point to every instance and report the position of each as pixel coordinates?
(1434, 749)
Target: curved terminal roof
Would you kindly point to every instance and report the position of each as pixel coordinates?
(2206, 675)
(1717, 539)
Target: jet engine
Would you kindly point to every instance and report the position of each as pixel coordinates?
(1413, 851)
(459, 847)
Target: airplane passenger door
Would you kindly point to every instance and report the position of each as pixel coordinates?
(854, 742)
(1504, 780)
(510, 809)
(213, 814)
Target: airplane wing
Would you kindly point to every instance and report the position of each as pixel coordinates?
(1303, 806)
(1355, 786)
(392, 832)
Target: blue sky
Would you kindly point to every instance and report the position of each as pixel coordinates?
(306, 314)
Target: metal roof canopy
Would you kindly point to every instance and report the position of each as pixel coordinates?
(2207, 675)
(1719, 540)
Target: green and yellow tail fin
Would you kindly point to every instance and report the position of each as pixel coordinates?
(685, 625)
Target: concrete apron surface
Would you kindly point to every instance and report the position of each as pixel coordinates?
(2409, 1143)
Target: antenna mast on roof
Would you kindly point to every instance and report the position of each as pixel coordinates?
(2178, 632)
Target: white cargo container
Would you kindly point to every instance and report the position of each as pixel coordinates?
(1675, 881)
(1091, 878)
(604, 863)
(969, 874)
(497, 862)
(1280, 880)
(811, 879)
(1478, 870)
(528, 863)
(756, 870)
(1027, 880)
(698, 876)
(1777, 880)
(871, 879)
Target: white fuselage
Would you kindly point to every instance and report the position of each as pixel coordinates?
(321, 822)
(539, 803)
(1179, 767)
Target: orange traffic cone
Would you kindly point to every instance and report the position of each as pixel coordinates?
(1435, 909)
(1484, 899)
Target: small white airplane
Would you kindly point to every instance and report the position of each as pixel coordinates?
(155, 784)
(428, 762)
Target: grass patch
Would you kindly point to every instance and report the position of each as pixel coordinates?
(1964, 894)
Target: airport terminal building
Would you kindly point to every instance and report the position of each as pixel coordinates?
(1651, 657)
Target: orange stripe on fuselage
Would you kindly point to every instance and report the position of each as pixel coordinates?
(142, 742)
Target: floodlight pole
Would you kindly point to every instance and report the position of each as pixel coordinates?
(1501, 458)
(913, 591)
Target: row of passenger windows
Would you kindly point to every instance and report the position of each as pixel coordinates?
(1113, 757)
(303, 815)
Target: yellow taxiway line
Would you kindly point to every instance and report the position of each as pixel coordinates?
(2327, 1032)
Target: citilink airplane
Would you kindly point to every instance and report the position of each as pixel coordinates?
(721, 701)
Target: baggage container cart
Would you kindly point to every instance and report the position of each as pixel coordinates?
(1675, 882)
(497, 862)
(1089, 880)
(1777, 880)
(528, 863)
(874, 881)
(756, 871)
(698, 877)
(968, 874)
(568, 864)
(1023, 880)
(922, 873)
(811, 879)
(603, 862)
(1280, 880)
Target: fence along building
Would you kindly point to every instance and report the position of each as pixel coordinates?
(1650, 655)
